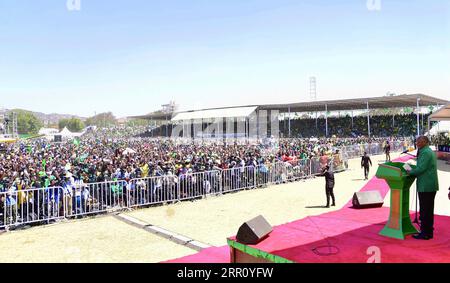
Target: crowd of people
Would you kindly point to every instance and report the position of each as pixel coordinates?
(116, 155)
(101, 156)
(403, 125)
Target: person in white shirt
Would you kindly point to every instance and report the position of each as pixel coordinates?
(79, 204)
(68, 193)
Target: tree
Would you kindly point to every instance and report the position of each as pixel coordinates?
(27, 123)
(73, 124)
(102, 120)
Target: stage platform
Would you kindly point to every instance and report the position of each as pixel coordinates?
(345, 236)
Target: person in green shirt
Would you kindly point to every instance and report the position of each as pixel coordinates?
(427, 186)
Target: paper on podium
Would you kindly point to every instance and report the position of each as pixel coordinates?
(407, 167)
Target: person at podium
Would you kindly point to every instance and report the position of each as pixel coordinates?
(427, 186)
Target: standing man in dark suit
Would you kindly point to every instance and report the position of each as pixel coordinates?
(329, 184)
(366, 163)
(427, 186)
(387, 151)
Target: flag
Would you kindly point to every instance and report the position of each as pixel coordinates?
(83, 157)
(47, 183)
(44, 162)
(76, 142)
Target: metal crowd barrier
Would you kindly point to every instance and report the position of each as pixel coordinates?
(316, 167)
(152, 190)
(92, 198)
(31, 206)
(238, 178)
(198, 185)
(298, 169)
(357, 150)
(276, 173)
(263, 175)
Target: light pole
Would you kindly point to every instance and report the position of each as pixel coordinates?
(418, 117)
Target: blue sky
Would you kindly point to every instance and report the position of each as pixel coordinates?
(131, 56)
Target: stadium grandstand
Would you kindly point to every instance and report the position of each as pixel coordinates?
(376, 116)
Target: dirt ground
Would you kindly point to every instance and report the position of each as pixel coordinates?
(211, 221)
(94, 240)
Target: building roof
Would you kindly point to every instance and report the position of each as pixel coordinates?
(158, 115)
(406, 100)
(442, 114)
(215, 113)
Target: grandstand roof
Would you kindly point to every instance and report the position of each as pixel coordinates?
(405, 100)
(442, 114)
(158, 115)
(214, 113)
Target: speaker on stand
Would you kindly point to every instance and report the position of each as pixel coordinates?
(253, 231)
(368, 199)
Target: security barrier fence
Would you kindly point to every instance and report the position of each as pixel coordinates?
(357, 150)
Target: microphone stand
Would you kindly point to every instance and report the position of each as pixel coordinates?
(409, 154)
(416, 220)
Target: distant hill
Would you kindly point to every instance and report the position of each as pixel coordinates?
(53, 118)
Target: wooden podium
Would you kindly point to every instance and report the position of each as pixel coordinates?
(399, 224)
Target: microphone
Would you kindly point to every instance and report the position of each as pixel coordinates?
(407, 152)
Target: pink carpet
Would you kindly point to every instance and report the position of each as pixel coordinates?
(209, 255)
(349, 232)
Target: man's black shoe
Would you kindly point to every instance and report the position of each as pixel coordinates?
(333, 204)
(422, 237)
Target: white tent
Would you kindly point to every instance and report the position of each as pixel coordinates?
(65, 133)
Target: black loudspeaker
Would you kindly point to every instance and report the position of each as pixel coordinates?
(58, 138)
(369, 199)
(253, 231)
